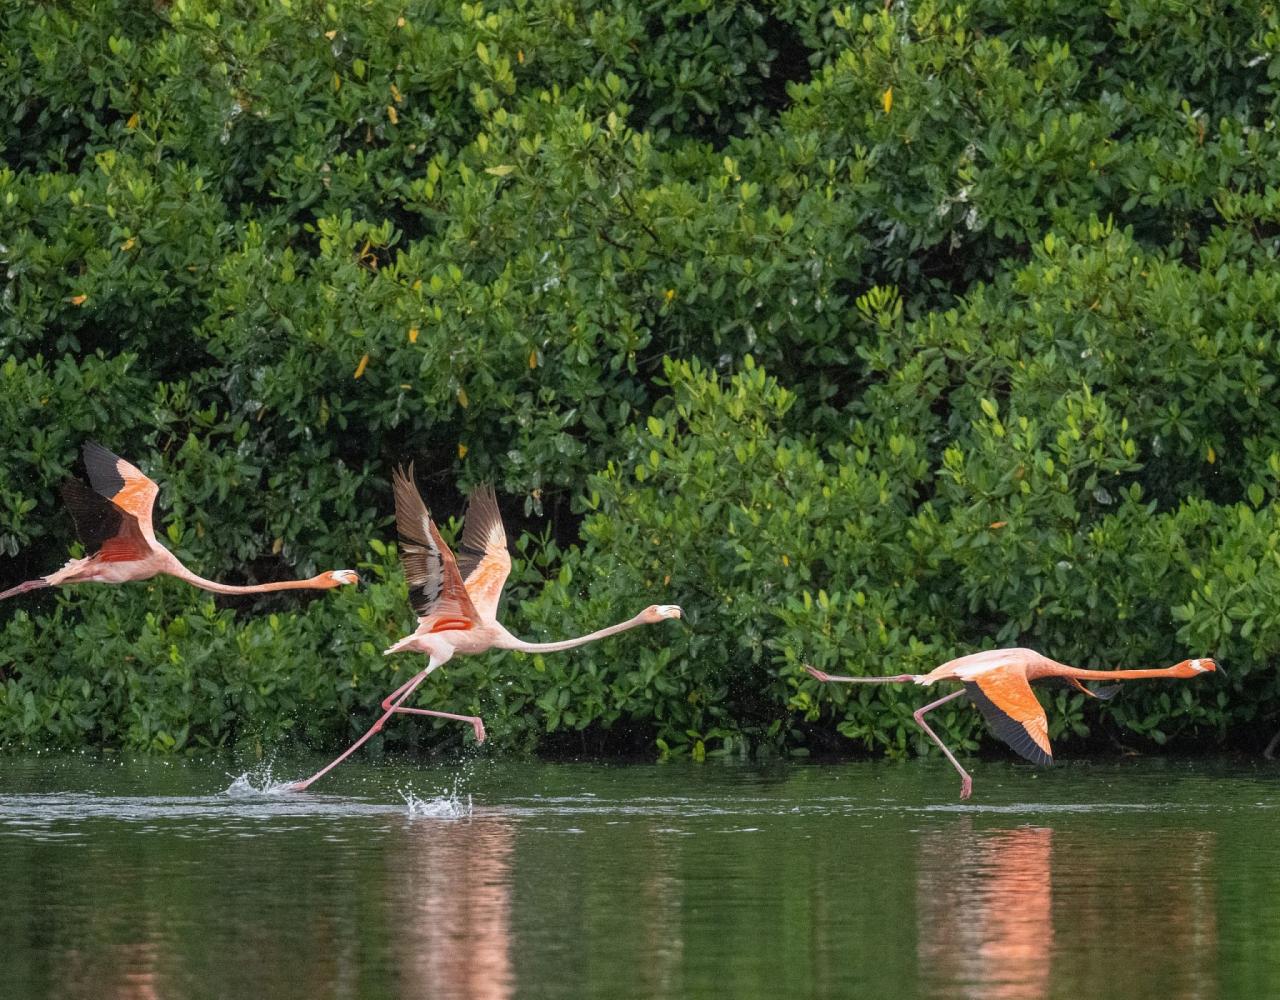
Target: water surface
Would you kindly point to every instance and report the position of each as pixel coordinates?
(489, 878)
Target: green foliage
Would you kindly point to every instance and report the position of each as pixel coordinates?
(1009, 268)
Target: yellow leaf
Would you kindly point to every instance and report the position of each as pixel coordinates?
(400, 22)
(133, 121)
(997, 524)
(331, 35)
(1212, 456)
(78, 300)
(364, 363)
(391, 113)
(463, 400)
(395, 92)
(337, 82)
(886, 100)
(130, 243)
(669, 294)
(785, 560)
(413, 334)
(520, 56)
(276, 546)
(533, 358)
(501, 170)
(462, 450)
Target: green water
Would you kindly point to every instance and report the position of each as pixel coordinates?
(153, 878)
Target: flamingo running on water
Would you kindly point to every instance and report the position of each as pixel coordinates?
(998, 681)
(114, 521)
(457, 600)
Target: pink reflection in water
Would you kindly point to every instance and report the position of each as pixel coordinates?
(985, 912)
(454, 901)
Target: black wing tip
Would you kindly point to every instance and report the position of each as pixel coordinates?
(94, 449)
(95, 517)
(102, 465)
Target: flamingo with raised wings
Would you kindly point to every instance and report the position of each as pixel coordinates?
(114, 521)
(998, 681)
(457, 600)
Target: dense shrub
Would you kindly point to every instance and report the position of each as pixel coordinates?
(870, 335)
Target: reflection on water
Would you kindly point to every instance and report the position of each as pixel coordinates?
(136, 881)
(124, 972)
(986, 911)
(1138, 913)
(451, 888)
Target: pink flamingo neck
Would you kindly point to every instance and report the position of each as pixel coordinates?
(321, 582)
(1111, 675)
(582, 640)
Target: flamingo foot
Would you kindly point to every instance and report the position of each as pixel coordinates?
(966, 787)
(478, 726)
(820, 675)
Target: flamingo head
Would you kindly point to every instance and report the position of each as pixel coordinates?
(1193, 668)
(661, 612)
(341, 577)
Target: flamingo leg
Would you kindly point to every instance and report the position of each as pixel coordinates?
(391, 705)
(22, 588)
(476, 722)
(966, 782)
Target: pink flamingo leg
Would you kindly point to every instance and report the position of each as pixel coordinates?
(390, 699)
(476, 722)
(392, 704)
(403, 691)
(23, 588)
(966, 782)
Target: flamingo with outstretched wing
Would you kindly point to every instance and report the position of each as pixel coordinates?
(114, 521)
(998, 681)
(457, 600)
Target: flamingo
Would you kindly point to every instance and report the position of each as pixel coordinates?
(114, 521)
(998, 681)
(456, 600)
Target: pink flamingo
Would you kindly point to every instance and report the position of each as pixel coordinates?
(457, 600)
(114, 521)
(998, 681)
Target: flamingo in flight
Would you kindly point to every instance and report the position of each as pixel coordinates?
(114, 521)
(998, 681)
(457, 600)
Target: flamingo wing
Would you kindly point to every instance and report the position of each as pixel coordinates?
(483, 559)
(435, 586)
(109, 533)
(123, 484)
(1104, 693)
(1006, 700)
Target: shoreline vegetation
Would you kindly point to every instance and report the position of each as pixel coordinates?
(870, 336)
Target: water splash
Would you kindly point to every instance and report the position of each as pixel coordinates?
(258, 781)
(445, 804)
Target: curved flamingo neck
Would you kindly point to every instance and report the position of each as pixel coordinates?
(511, 642)
(321, 582)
